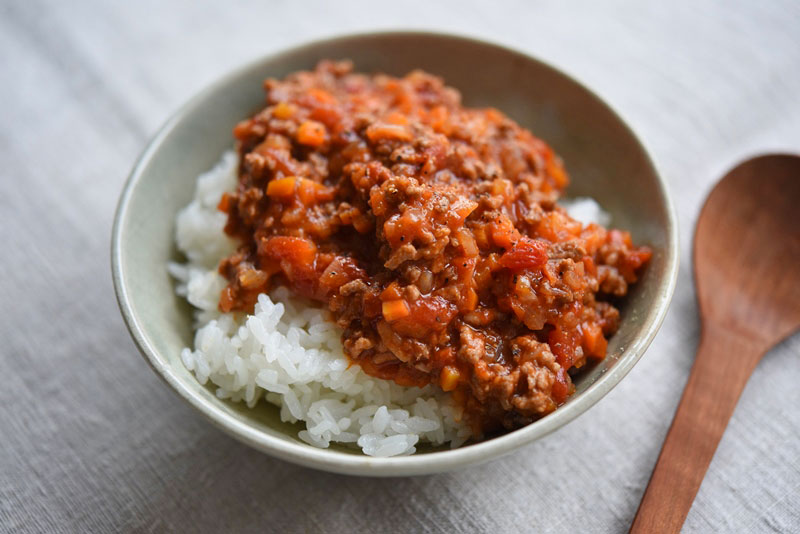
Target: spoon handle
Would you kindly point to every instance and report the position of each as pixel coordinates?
(723, 364)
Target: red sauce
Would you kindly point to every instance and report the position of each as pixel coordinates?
(431, 232)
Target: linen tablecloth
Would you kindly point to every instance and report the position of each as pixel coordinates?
(93, 441)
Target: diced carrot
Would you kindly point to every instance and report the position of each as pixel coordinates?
(470, 299)
(311, 192)
(439, 119)
(449, 377)
(283, 110)
(362, 223)
(467, 242)
(395, 309)
(321, 95)
(392, 292)
(558, 174)
(594, 344)
(311, 133)
(381, 130)
(330, 115)
(620, 236)
(224, 203)
(589, 266)
(396, 118)
(243, 129)
(282, 187)
(494, 115)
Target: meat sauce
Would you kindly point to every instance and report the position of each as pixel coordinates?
(431, 232)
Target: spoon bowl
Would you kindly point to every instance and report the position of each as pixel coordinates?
(747, 249)
(747, 275)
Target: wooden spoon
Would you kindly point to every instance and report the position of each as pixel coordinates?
(747, 276)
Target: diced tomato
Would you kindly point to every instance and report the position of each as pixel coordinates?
(445, 356)
(528, 254)
(557, 227)
(503, 233)
(339, 272)
(563, 344)
(633, 261)
(406, 227)
(427, 314)
(311, 133)
(562, 387)
(296, 257)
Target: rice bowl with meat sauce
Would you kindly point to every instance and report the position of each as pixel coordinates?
(390, 267)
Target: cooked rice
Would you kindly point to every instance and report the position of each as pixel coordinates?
(288, 352)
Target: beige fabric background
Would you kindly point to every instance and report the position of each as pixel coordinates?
(93, 441)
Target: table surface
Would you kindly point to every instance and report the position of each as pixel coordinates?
(93, 441)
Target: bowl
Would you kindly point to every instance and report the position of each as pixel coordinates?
(603, 156)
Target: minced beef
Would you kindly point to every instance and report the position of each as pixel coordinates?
(431, 232)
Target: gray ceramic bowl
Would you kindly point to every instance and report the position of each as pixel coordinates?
(604, 158)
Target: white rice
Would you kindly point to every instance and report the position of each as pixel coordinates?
(289, 354)
(585, 210)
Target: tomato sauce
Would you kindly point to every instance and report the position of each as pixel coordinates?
(432, 233)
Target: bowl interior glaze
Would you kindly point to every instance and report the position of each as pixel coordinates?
(602, 155)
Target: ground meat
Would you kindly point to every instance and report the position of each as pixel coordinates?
(431, 232)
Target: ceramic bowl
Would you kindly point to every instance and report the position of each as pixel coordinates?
(603, 156)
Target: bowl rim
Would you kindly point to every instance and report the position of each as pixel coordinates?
(417, 464)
